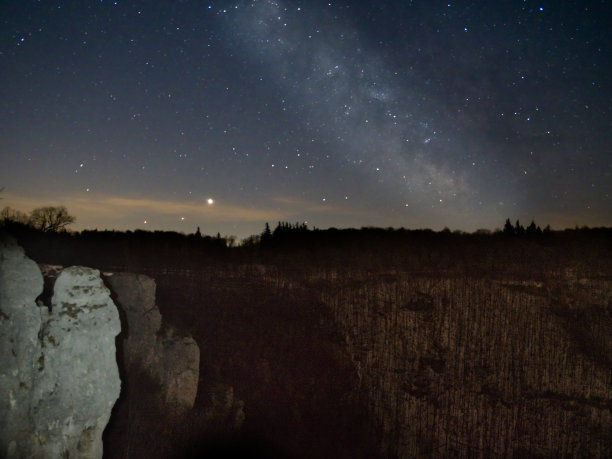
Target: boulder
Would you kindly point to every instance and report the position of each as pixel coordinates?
(58, 371)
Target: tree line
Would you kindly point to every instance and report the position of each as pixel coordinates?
(287, 234)
(517, 229)
(58, 219)
(295, 247)
(44, 219)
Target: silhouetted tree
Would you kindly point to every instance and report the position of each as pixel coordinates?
(533, 230)
(51, 218)
(266, 236)
(10, 215)
(198, 234)
(519, 230)
(251, 241)
(508, 228)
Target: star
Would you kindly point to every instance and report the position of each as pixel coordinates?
(274, 103)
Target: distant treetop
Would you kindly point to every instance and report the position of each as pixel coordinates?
(42, 218)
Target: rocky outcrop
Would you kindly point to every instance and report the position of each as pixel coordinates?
(169, 358)
(20, 323)
(58, 371)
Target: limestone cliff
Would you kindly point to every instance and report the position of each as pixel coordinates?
(161, 369)
(172, 359)
(490, 348)
(58, 371)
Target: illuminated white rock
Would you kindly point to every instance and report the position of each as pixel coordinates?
(58, 371)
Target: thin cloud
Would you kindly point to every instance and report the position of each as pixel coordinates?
(100, 208)
(326, 208)
(119, 212)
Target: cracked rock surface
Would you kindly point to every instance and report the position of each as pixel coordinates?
(58, 371)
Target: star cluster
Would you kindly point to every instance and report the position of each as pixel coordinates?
(225, 114)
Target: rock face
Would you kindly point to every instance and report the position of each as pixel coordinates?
(20, 323)
(58, 372)
(170, 359)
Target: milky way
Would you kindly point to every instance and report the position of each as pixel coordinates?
(398, 113)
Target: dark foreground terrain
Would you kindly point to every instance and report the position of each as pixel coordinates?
(373, 343)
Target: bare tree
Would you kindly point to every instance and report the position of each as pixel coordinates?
(51, 218)
(10, 215)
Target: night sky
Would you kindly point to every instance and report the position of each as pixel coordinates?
(168, 115)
